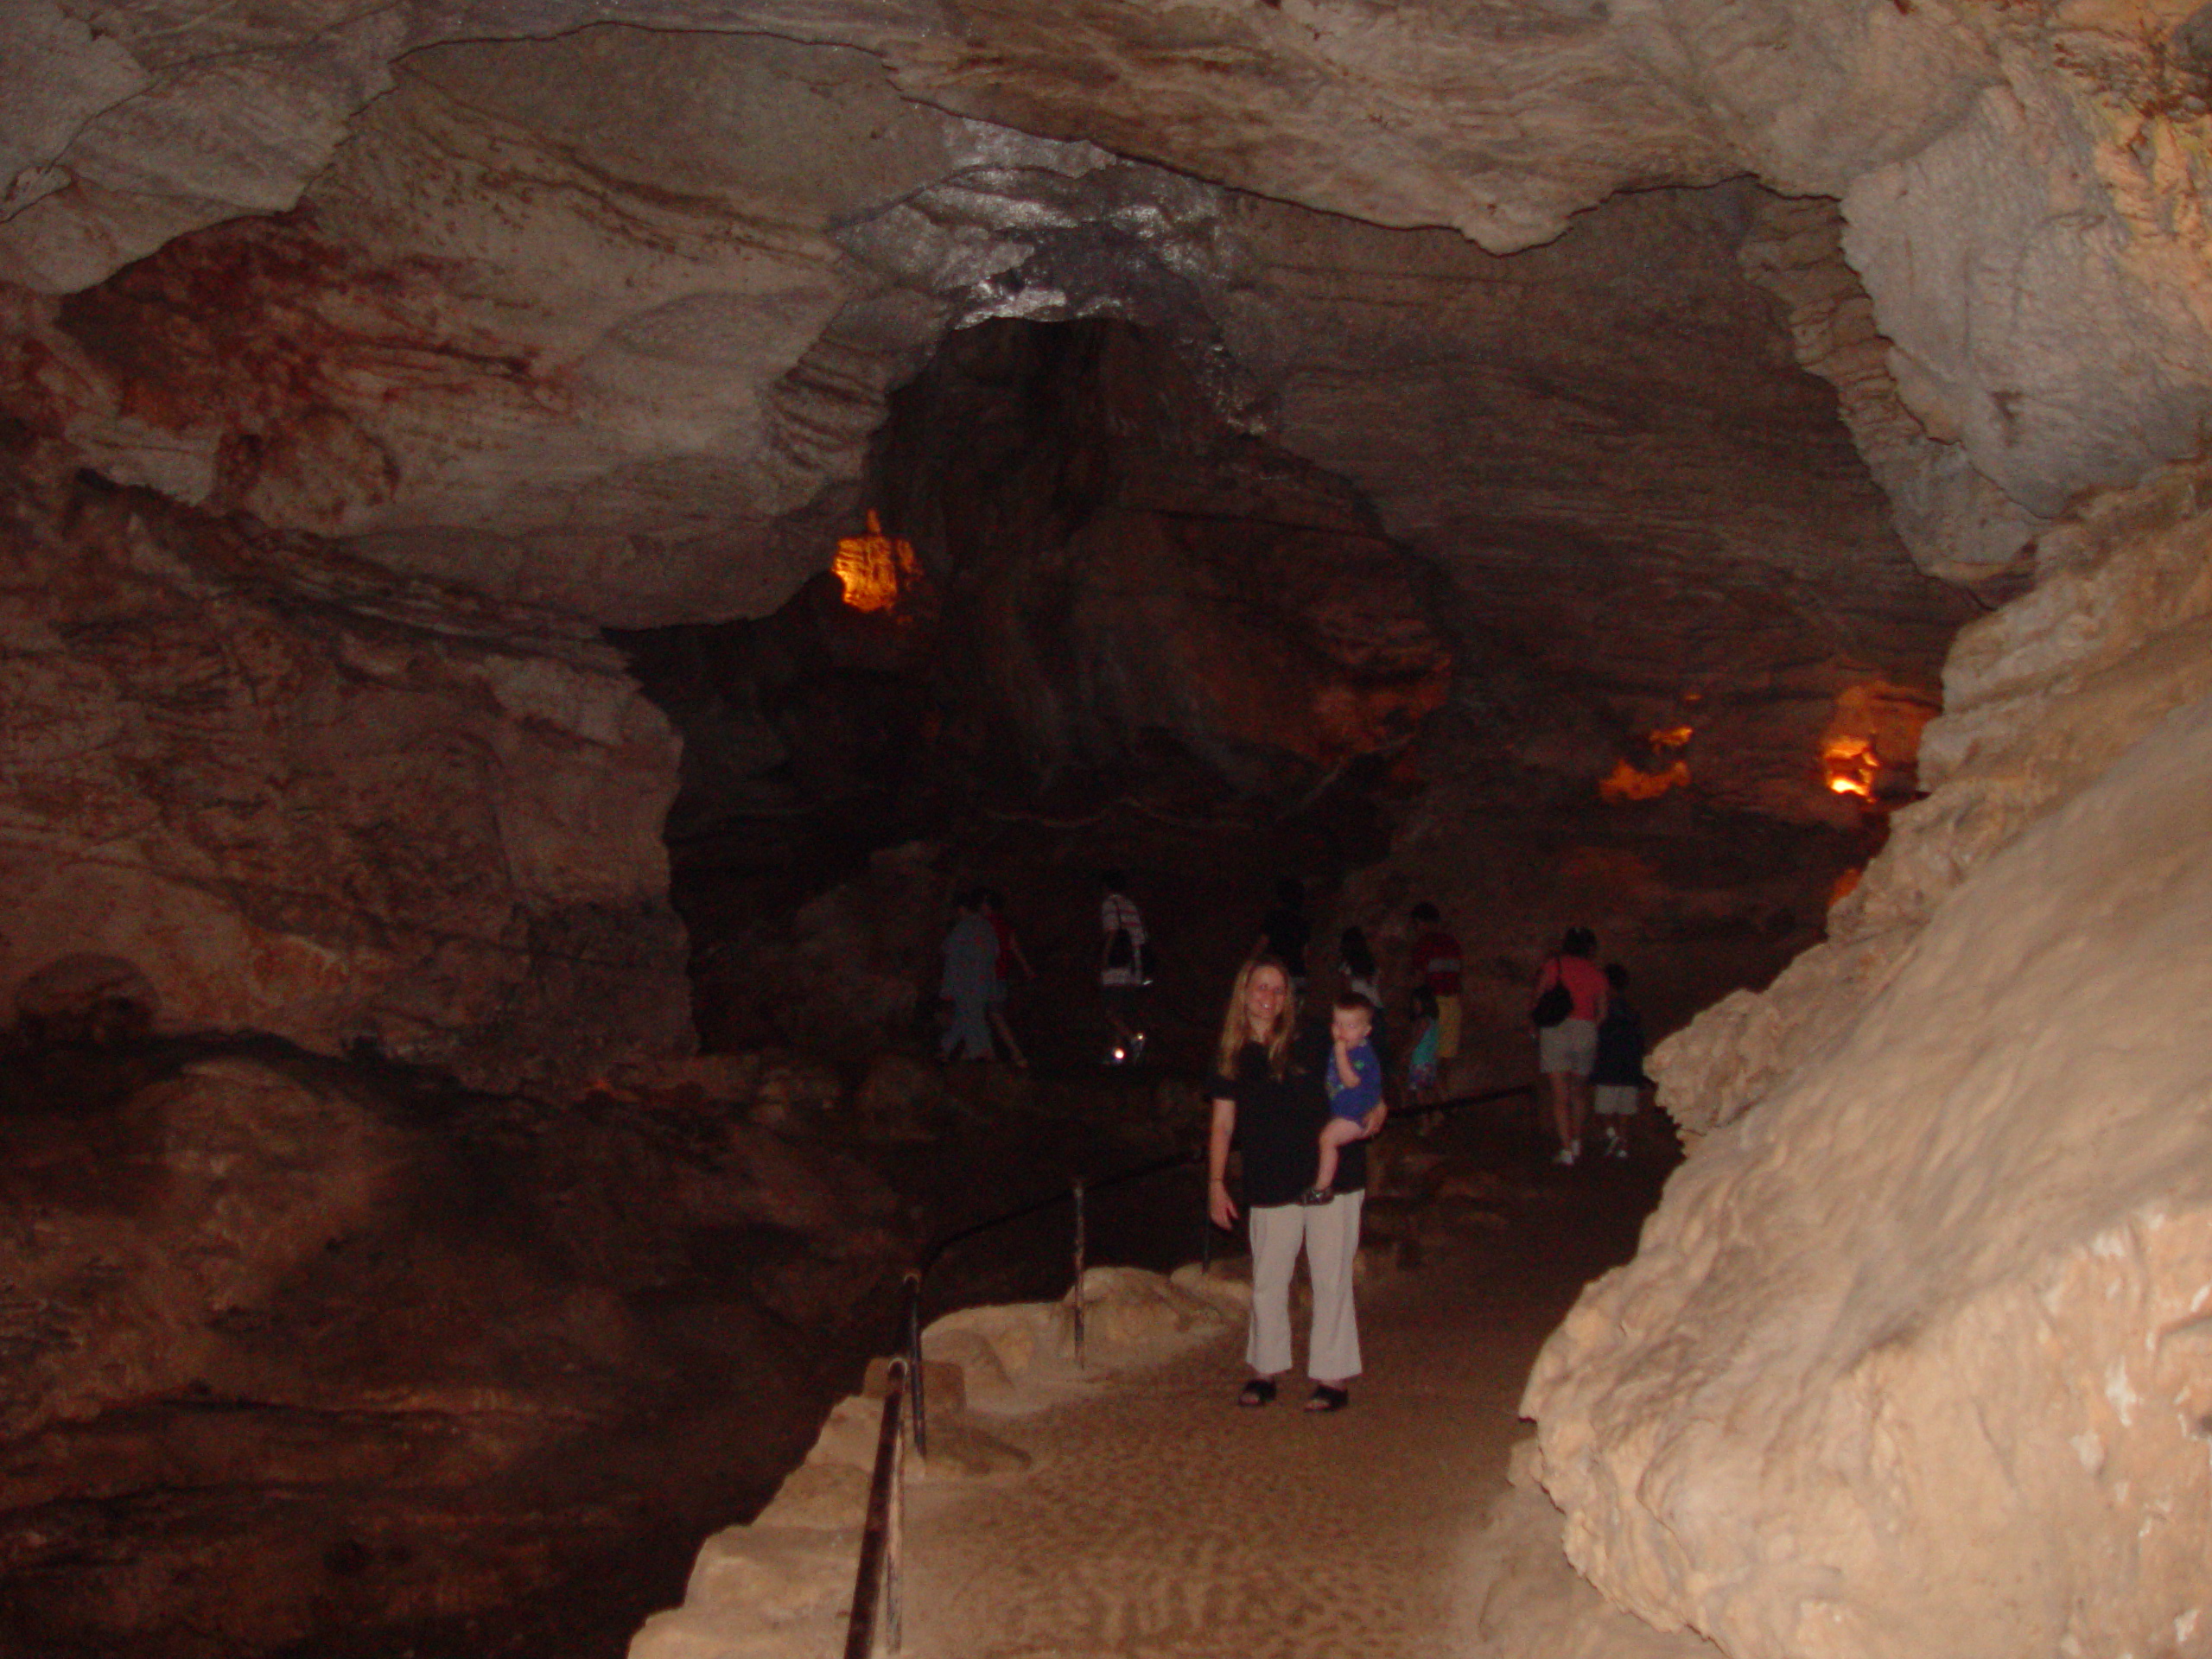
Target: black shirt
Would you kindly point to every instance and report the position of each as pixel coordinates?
(1279, 1123)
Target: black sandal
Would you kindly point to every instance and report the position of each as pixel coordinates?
(1328, 1399)
(1259, 1391)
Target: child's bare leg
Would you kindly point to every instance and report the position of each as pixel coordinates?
(1338, 1132)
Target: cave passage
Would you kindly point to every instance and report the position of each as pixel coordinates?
(1548, 590)
(544, 549)
(1093, 623)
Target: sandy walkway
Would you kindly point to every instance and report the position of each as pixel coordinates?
(1160, 1519)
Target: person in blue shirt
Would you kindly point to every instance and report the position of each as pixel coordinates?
(1354, 1079)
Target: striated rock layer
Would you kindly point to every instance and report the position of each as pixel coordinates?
(1915, 1358)
(287, 799)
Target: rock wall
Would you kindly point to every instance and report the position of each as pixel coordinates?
(295, 802)
(1912, 1359)
(297, 1353)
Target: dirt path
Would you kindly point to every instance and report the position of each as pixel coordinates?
(1160, 1519)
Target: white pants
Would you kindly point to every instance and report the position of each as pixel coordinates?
(1330, 1236)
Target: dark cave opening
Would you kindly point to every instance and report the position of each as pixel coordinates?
(1130, 634)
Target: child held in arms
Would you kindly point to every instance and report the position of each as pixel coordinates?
(1354, 1088)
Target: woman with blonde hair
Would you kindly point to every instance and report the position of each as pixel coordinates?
(1270, 1097)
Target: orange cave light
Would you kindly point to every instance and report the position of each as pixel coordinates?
(874, 568)
(1629, 782)
(1626, 783)
(1852, 764)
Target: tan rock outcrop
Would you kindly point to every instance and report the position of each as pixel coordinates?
(1909, 1361)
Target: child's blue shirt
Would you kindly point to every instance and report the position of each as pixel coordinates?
(1362, 1097)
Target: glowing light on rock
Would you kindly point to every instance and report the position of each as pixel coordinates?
(1852, 764)
(1626, 783)
(1871, 749)
(874, 567)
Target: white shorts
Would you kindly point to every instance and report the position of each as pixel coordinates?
(1570, 1046)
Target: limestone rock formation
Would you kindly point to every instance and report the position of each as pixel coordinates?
(593, 329)
(292, 802)
(1953, 136)
(1937, 1271)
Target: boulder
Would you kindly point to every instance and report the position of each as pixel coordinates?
(1912, 1358)
(1128, 1311)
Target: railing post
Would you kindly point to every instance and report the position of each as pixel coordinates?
(914, 1363)
(1078, 1275)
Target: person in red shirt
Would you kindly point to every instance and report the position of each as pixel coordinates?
(1010, 957)
(1435, 965)
(1568, 1048)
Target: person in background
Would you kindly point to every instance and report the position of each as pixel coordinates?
(1421, 1063)
(1356, 963)
(1120, 966)
(971, 972)
(1566, 1050)
(1435, 965)
(1617, 1079)
(1010, 957)
(1284, 932)
(1270, 1097)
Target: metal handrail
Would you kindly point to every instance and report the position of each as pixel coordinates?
(1077, 1193)
(877, 1580)
(882, 1539)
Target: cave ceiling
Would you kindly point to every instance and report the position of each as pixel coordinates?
(1687, 340)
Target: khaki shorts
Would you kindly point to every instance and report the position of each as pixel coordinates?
(1447, 1027)
(1570, 1046)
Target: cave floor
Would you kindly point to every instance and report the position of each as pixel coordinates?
(1158, 1517)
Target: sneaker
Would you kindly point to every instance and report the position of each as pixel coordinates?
(1564, 1155)
(1618, 1149)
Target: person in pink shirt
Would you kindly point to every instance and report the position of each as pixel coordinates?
(1567, 1048)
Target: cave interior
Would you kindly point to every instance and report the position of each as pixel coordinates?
(542, 557)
